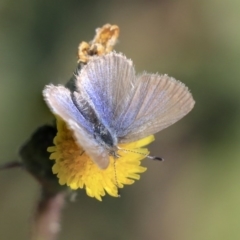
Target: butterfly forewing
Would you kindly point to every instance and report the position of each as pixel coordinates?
(108, 82)
(60, 101)
(89, 144)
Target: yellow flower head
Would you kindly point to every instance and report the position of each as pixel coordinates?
(75, 168)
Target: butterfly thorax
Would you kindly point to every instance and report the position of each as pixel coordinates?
(106, 139)
(101, 133)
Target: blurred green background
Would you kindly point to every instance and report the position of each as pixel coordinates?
(195, 193)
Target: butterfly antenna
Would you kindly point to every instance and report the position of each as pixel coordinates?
(146, 155)
(155, 158)
(116, 179)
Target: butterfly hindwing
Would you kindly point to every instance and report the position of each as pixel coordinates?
(158, 102)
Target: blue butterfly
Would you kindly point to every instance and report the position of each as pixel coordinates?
(111, 105)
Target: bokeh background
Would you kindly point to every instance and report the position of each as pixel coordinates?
(195, 193)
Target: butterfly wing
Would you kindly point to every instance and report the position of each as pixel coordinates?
(60, 102)
(158, 102)
(132, 107)
(107, 82)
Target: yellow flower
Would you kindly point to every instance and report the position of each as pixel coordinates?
(75, 168)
